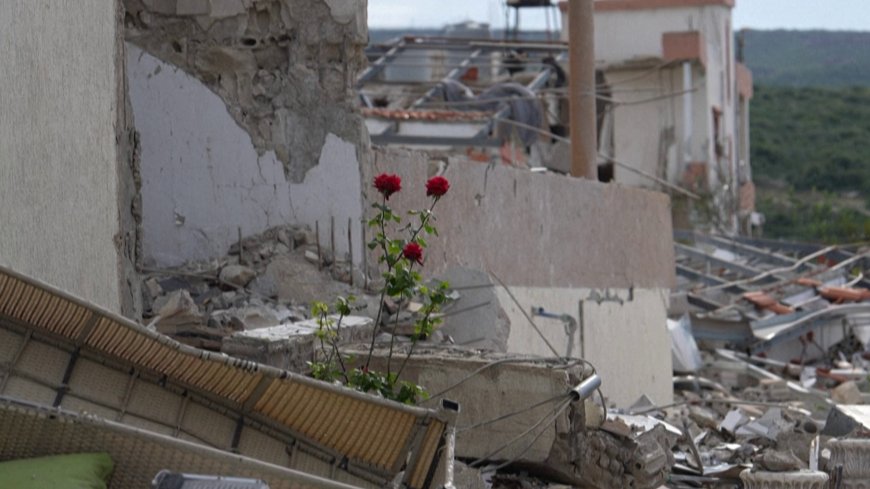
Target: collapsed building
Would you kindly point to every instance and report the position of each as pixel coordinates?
(211, 177)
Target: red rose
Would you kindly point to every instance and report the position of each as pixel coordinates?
(413, 252)
(437, 186)
(388, 184)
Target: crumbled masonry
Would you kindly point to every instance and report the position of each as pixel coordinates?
(284, 69)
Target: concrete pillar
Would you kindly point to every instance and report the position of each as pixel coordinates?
(584, 140)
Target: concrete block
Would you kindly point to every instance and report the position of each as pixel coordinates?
(784, 480)
(193, 7)
(496, 391)
(847, 393)
(290, 346)
(227, 8)
(486, 327)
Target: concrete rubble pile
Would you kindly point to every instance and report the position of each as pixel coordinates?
(255, 302)
(749, 421)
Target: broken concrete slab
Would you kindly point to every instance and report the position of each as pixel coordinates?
(495, 385)
(482, 323)
(847, 393)
(290, 346)
(845, 419)
(237, 275)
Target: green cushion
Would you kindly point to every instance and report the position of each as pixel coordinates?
(76, 471)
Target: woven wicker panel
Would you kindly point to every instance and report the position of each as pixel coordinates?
(209, 426)
(263, 447)
(9, 344)
(150, 401)
(75, 404)
(21, 388)
(147, 423)
(138, 456)
(429, 451)
(43, 362)
(98, 383)
(310, 464)
(378, 431)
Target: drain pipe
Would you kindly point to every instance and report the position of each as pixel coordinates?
(568, 320)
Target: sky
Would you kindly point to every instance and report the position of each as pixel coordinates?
(757, 14)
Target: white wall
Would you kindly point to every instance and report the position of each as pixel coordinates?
(627, 341)
(639, 125)
(59, 203)
(623, 36)
(202, 178)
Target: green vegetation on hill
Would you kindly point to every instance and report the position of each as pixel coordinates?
(808, 58)
(815, 144)
(812, 137)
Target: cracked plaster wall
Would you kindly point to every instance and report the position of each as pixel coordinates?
(203, 179)
(64, 148)
(284, 68)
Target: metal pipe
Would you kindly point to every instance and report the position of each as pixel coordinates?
(585, 389)
(584, 140)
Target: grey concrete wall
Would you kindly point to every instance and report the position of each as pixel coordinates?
(537, 230)
(601, 254)
(59, 165)
(623, 332)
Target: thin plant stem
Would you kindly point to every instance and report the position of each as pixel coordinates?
(414, 339)
(336, 350)
(384, 289)
(395, 326)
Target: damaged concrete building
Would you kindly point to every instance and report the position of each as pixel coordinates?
(234, 117)
(181, 129)
(680, 104)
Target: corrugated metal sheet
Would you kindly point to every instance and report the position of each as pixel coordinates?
(372, 437)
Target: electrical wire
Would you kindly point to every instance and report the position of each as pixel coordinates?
(609, 159)
(520, 307)
(563, 365)
(515, 413)
(557, 411)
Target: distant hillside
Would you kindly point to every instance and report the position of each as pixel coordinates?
(808, 58)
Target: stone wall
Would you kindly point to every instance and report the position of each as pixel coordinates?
(61, 167)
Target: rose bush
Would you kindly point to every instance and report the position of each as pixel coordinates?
(399, 256)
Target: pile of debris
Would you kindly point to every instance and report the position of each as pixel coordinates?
(261, 292)
(743, 419)
(264, 281)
